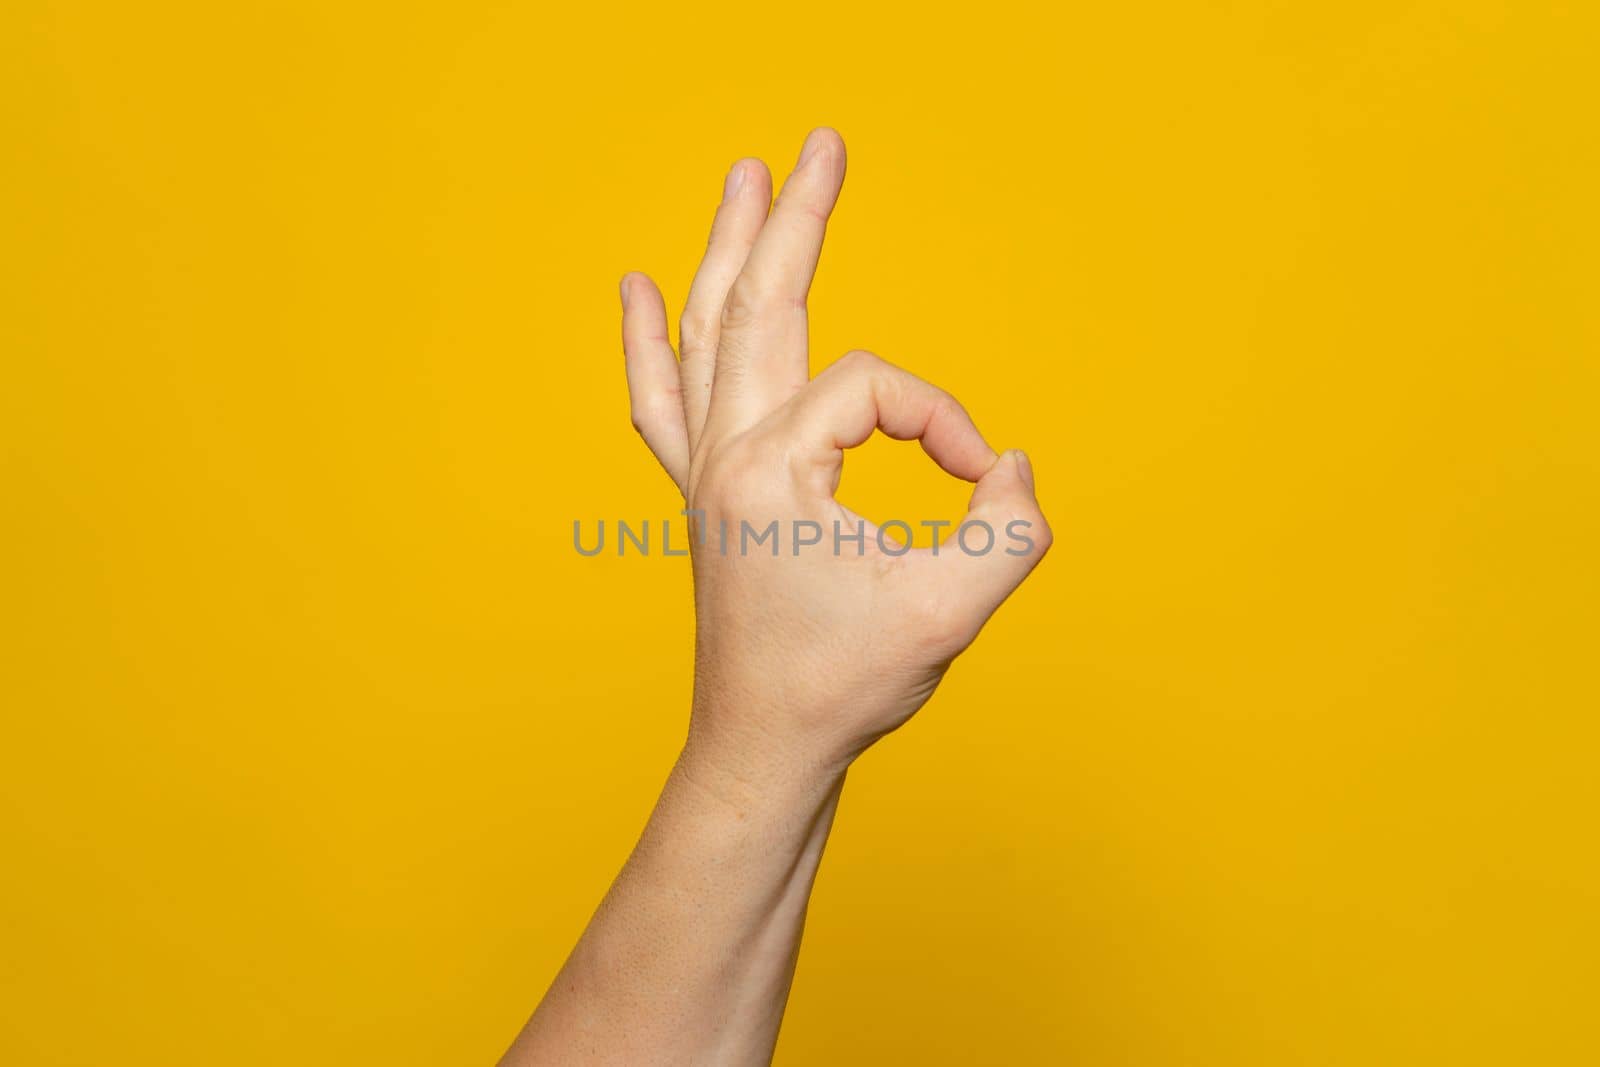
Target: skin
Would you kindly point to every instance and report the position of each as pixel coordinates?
(801, 661)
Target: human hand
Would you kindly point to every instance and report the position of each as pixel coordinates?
(806, 655)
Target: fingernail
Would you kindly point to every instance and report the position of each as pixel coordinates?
(623, 289)
(810, 148)
(1024, 468)
(735, 179)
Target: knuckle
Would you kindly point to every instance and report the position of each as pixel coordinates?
(859, 360)
(651, 414)
(696, 330)
(1037, 532)
(815, 212)
(738, 479)
(944, 407)
(806, 207)
(746, 299)
(1043, 535)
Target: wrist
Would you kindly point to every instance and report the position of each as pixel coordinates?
(755, 772)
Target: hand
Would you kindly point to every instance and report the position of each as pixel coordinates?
(808, 649)
(806, 656)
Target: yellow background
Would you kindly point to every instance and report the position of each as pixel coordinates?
(320, 742)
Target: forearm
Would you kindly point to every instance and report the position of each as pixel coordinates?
(690, 956)
(801, 662)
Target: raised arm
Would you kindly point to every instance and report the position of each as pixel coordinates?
(810, 645)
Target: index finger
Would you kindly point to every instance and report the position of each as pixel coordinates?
(861, 393)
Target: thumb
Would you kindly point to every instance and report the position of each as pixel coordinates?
(999, 541)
